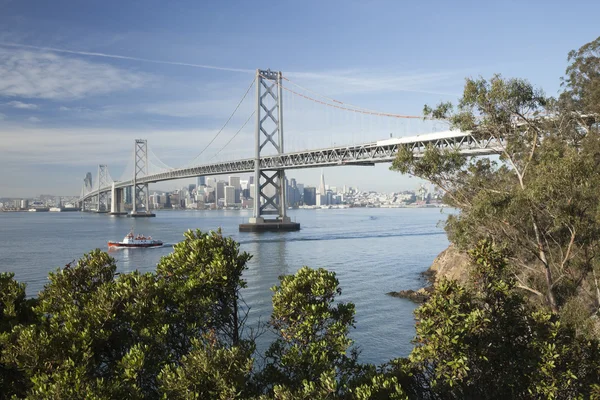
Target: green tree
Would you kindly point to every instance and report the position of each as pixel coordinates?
(15, 310)
(310, 354)
(100, 334)
(581, 96)
(539, 200)
(201, 283)
(486, 342)
(209, 371)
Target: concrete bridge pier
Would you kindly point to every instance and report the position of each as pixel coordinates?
(117, 204)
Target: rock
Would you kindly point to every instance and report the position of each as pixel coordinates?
(419, 296)
(451, 264)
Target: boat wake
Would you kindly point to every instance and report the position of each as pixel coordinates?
(340, 237)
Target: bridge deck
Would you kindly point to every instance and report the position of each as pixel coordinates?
(363, 154)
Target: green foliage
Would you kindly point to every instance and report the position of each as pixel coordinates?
(488, 343)
(312, 335)
(582, 80)
(93, 333)
(208, 371)
(15, 310)
(100, 334)
(201, 283)
(538, 201)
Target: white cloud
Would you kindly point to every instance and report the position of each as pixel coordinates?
(366, 81)
(215, 108)
(74, 109)
(22, 106)
(41, 75)
(33, 119)
(91, 146)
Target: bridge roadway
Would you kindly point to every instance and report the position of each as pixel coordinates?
(363, 154)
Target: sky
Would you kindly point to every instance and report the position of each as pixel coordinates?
(81, 80)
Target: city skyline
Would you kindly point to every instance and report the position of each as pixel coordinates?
(81, 81)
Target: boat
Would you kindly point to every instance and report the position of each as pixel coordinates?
(132, 240)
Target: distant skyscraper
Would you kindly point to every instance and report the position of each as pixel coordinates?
(220, 190)
(293, 194)
(128, 195)
(235, 182)
(88, 180)
(300, 189)
(310, 196)
(201, 181)
(230, 196)
(322, 189)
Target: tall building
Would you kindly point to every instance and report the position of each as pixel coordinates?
(300, 189)
(310, 196)
(229, 196)
(211, 182)
(220, 190)
(235, 181)
(209, 195)
(201, 181)
(191, 187)
(88, 180)
(292, 194)
(129, 195)
(322, 189)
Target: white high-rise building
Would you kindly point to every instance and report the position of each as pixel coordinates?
(322, 189)
(235, 182)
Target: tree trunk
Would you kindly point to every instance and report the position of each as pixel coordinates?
(548, 273)
(236, 333)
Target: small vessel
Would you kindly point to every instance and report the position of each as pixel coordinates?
(132, 240)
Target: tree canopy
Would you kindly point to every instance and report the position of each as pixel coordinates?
(539, 199)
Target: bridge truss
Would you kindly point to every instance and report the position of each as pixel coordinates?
(383, 151)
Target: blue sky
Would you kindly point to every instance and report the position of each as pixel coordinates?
(63, 110)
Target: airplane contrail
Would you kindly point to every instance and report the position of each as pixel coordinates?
(93, 54)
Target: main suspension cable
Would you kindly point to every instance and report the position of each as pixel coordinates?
(233, 137)
(228, 119)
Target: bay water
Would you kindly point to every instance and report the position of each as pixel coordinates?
(372, 251)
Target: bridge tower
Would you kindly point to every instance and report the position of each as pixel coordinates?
(141, 193)
(269, 183)
(103, 182)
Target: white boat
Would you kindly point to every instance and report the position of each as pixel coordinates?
(131, 240)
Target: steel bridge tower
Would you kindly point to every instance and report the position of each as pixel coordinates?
(103, 181)
(269, 183)
(141, 193)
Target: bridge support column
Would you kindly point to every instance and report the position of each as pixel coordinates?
(117, 204)
(269, 184)
(141, 193)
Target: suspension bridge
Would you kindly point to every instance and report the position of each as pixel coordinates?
(269, 160)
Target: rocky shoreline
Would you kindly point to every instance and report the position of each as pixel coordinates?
(450, 264)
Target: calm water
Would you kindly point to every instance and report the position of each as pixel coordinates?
(372, 251)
